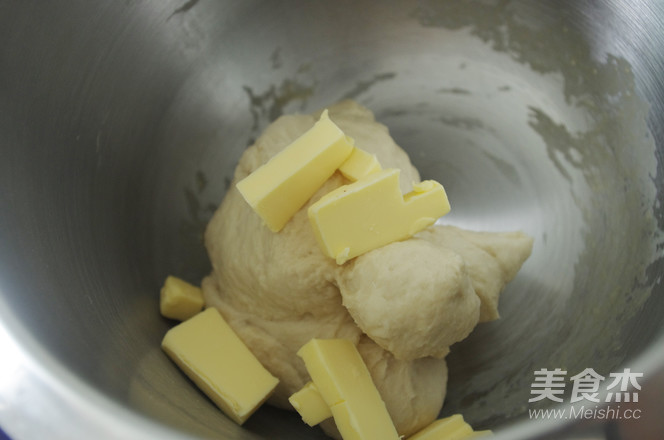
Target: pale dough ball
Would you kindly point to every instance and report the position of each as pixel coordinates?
(278, 290)
(413, 298)
(492, 259)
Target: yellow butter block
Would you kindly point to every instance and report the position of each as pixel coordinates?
(280, 187)
(359, 164)
(217, 361)
(179, 299)
(449, 428)
(372, 212)
(344, 383)
(310, 405)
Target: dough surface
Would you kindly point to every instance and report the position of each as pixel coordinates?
(277, 290)
(412, 297)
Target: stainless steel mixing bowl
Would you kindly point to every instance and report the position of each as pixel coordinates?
(121, 123)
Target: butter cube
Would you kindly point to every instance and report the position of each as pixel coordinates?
(179, 299)
(359, 164)
(449, 428)
(310, 405)
(210, 353)
(344, 383)
(372, 212)
(280, 187)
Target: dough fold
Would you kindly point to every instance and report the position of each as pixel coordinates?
(413, 298)
(492, 259)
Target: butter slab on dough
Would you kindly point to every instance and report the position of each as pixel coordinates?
(280, 187)
(359, 164)
(180, 300)
(310, 405)
(344, 382)
(217, 361)
(372, 212)
(449, 428)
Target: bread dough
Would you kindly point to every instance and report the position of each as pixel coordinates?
(492, 259)
(412, 297)
(278, 290)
